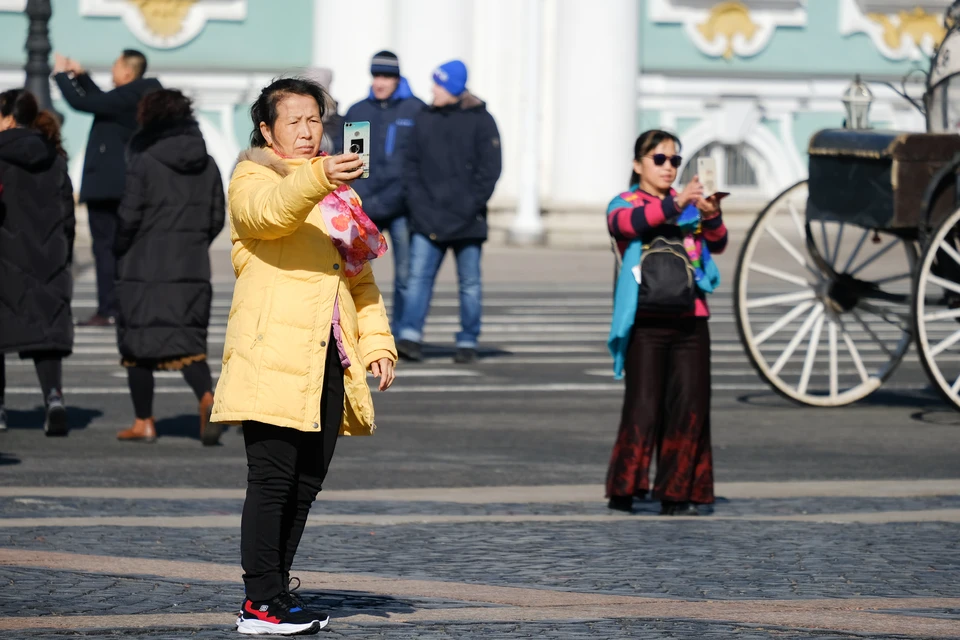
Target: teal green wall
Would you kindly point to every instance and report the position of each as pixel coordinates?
(817, 49)
(268, 39)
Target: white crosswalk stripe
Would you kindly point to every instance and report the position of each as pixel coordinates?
(563, 329)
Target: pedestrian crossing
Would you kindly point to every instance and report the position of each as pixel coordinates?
(535, 339)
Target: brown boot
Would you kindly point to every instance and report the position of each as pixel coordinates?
(141, 431)
(209, 431)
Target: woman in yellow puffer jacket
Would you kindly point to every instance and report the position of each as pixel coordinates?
(307, 323)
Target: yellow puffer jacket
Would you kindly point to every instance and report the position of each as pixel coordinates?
(288, 275)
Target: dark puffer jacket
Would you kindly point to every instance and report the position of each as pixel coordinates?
(36, 245)
(171, 211)
(452, 168)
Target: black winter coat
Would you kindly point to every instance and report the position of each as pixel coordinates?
(36, 245)
(391, 131)
(172, 209)
(114, 121)
(452, 168)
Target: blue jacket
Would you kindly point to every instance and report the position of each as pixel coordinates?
(626, 297)
(391, 130)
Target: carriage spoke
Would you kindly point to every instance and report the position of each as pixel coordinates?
(789, 248)
(856, 251)
(797, 339)
(945, 344)
(855, 354)
(956, 386)
(876, 256)
(872, 334)
(786, 298)
(782, 322)
(811, 355)
(798, 222)
(826, 242)
(902, 317)
(836, 246)
(948, 249)
(889, 279)
(779, 275)
(946, 284)
(832, 345)
(950, 314)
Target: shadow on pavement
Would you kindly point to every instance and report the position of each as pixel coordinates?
(77, 417)
(7, 459)
(348, 603)
(186, 425)
(943, 417)
(925, 400)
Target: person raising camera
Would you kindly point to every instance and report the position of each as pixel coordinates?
(659, 335)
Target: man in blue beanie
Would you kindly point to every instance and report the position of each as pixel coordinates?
(453, 167)
(390, 109)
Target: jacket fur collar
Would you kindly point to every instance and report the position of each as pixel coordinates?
(266, 158)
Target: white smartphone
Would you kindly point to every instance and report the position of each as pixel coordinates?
(356, 139)
(707, 172)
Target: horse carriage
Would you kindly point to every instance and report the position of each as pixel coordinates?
(841, 272)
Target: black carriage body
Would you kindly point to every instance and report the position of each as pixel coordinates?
(877, 179)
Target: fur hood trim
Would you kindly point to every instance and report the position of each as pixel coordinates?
(265, 158)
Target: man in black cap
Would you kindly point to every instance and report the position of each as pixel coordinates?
(390, 109)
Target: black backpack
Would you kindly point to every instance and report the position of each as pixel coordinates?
(667, 278)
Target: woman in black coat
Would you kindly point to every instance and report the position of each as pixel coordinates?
(36, 249)
(172, 209)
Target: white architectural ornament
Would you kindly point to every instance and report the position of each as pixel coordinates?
(13, 6)
(729, 28)
(904, 29)
(166, 24)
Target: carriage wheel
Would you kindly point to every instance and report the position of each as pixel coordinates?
(936, 309)
(822, 307)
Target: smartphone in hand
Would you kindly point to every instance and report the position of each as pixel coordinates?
(707, 172)
(356, 139)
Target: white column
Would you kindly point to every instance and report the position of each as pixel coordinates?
(595, 101)
(429, 33)
(345, 37)
(527, 227)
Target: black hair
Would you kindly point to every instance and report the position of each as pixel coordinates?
(647, 142)
(21, 104)
(136, 60)
(264, 108)
(164, 106)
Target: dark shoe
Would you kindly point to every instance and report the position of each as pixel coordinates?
(56, 423)
(621, 503)
(678, 509)
(141, 431)
(209, 431)
(465, 356)
(97, 320)
(410, 350)
(279, 616)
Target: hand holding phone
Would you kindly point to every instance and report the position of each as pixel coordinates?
(356, 139)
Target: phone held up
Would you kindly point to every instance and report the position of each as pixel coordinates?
(707, 172)
(356, 139)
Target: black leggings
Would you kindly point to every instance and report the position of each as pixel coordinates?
(197, 375)
(285, 471)
(49, 368)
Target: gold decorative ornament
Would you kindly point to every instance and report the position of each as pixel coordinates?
(164, 17)
(915, 24)
(727, 19)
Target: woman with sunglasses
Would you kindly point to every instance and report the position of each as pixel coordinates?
(665, 356)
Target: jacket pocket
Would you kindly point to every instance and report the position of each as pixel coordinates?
(264, 318)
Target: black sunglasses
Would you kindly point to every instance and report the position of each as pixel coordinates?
(660, 158)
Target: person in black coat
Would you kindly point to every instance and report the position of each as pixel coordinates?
(114, 121)
(453, 166)
(172, 209)
(36, 249)
(391, 109)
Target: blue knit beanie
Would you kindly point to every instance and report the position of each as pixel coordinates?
(452, 76)
(385, 63)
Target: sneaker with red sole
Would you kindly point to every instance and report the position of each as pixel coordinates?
(279, 616)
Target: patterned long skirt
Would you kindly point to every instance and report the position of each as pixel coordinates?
(666, 412)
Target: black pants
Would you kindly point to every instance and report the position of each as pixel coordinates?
(49, 368)
(103, 231)
(285, 471)
(140, 379)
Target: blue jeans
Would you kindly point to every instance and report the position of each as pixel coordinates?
(426, 257)
(400, 247)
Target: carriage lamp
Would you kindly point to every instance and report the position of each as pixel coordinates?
(857, 100)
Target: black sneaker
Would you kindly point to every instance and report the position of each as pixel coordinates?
(279, 616)
(410, 350)
(465, 356)
(668, 508)
(56, 423)
(3, 419)
(621, 503)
